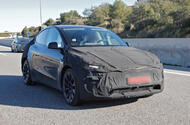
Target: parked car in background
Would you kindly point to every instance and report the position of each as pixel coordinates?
(19, 43)
(88, 63)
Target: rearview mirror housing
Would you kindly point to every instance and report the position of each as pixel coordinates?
(53, 45)
(129, 44)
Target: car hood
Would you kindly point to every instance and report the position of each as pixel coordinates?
(116, 57)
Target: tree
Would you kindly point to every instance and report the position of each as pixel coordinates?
(24, 31)
(58, 21)
(33, 31)
(151, 18)
(120, 11)
(100, 16)
(49, 22)
(71, 17)
(87, 12)
(119, 16)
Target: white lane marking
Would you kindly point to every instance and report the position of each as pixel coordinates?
(176, 73)
(3, 54)
(5, 47)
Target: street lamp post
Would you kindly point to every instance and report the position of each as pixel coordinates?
(41, 12)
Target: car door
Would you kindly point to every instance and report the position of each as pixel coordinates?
(51, 60)
(36, 52)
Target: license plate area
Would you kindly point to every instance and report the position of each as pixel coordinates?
(138, 80)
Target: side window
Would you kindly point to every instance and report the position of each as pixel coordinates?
(42, 37)
(54, 36)
(111, 40)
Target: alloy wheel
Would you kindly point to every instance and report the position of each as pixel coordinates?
(26, 72)
(69, 87)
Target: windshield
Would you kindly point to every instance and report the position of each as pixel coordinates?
(21, 40)
(92, 37)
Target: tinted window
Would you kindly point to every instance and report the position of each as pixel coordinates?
(92, 37)
(54, 36)
(42, 37)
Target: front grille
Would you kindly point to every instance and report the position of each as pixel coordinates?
(136, 89)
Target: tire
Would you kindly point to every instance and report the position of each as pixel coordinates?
(26, 73)
(12, 49)
(15, 50)
(70, 88)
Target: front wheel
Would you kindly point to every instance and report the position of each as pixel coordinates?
(70, 88)
(15, 50)
(26, 73)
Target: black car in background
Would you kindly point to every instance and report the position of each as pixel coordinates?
(19, 43)
(86, 63)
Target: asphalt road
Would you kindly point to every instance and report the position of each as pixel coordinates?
(41, 105)
(6, 42)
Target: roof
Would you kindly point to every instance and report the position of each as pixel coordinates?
(76, 26)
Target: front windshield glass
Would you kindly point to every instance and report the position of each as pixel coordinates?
(92, 37)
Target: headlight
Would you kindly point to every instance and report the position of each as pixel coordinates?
(94, 74)
(93, 67)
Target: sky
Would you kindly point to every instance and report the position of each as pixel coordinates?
(16, 14)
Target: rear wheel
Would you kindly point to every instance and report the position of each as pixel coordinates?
(12, 49)
(70, 88)
(26, 73)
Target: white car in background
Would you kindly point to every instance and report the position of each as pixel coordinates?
(19, 43)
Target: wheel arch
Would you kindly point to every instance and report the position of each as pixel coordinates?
(65, 68)
(22, 61)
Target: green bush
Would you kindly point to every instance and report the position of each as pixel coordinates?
(4, 34)
(152, 19)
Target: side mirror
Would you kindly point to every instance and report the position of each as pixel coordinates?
(53, 45)
(129, 44)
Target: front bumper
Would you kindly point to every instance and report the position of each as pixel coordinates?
(20, 48)
(113, 86)
(128, 92)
